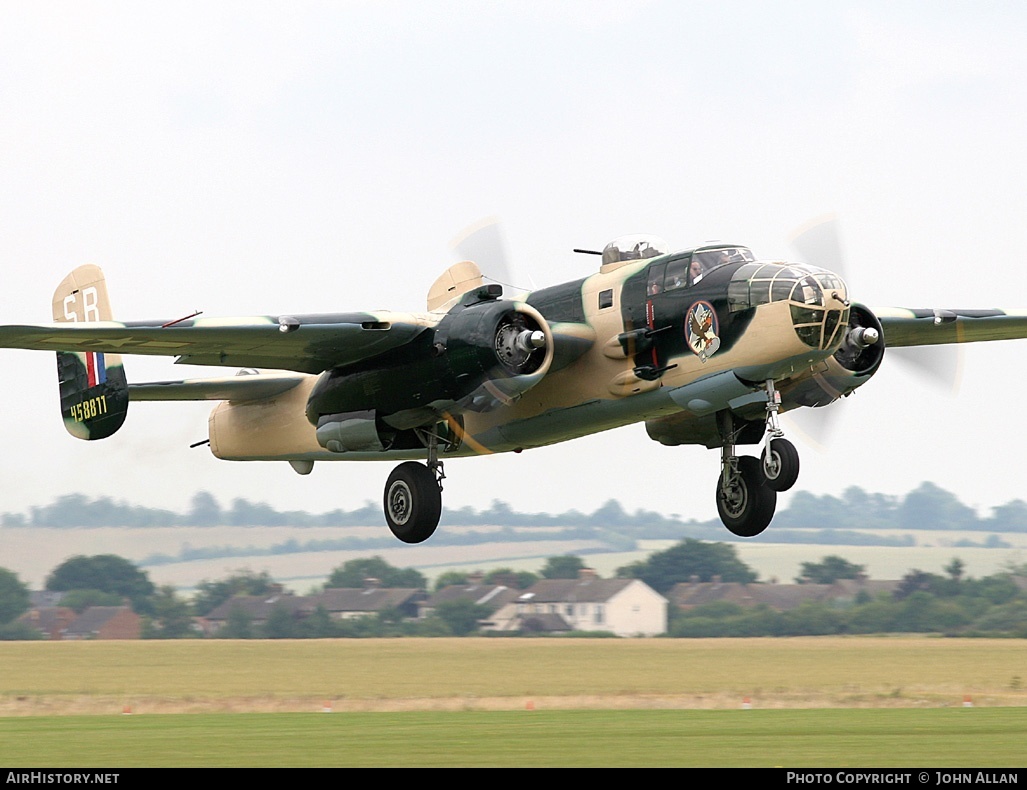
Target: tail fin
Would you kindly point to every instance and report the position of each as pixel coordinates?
(94, 390)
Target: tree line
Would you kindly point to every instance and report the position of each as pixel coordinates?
(950, 603)
(926, 507)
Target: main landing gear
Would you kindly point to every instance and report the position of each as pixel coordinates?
(747, 489)
(413, 497)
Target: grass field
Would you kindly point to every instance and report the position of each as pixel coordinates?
(196, 676)
(957, 738)
(852, 701)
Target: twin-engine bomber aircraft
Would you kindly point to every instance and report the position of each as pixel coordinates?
(706, 346)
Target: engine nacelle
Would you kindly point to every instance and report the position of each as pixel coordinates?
(852, 365)
(481, 355)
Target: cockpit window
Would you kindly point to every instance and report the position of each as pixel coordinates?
(710, 259)
(635, 247)
(687, 269)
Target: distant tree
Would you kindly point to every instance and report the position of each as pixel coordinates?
(14, 596)
(955, 569)
(247, 514)
(462, 616)
(352, 574)
(1010, 517)
(204, 510)
(211, 594)
(931, 507)
(610, 514)
(80, 600)
(319, 625)
(997, 589)
(499, 513)
(281, 624)
(917, 581)
(564, 567)
(507, 577)
(105, 572)
(238, 624)
(829, 570)
(77, 510)
(172, 616)
(449, 579)
(688, 559)
(18, 632)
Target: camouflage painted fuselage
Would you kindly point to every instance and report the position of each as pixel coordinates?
(625, 350)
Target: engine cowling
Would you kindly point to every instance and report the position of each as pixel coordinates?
(851, 366)
(481, 355)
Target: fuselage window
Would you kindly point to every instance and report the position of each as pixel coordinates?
(677, 274)
(606, 299)
(655, 285)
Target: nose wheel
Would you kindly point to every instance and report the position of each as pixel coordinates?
(780, 464)
(779, 460)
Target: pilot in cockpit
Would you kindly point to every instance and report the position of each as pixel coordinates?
(695, 271)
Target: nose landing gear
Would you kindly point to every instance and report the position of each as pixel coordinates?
(748, 487)
(779, 460)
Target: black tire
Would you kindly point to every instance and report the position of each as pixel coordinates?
(747, 505)
(413, 502)
(781, 469)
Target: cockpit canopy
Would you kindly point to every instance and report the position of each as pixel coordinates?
(635, 247)
(688, 268)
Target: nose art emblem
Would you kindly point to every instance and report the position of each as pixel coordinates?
(701, 330)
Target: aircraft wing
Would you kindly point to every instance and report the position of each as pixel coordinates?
(928, 327)
(306, 344)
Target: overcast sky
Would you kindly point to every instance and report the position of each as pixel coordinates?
(242, 158)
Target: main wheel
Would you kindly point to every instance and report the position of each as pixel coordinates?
(413, 502)
(780, 465)
(746, 504)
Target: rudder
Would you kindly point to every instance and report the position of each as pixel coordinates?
(94, 389)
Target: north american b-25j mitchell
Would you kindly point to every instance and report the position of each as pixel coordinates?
(706, 346)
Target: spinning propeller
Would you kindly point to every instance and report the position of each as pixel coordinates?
(818, 243)
(484, 243)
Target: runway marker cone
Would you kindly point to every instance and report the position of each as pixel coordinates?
(746, 703)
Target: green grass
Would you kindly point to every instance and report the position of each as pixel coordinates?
(271, 675)
(807, 738)
(845, 702)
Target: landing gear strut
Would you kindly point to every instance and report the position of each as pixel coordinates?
(413, 496)
(748, 487)
(780, 459)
